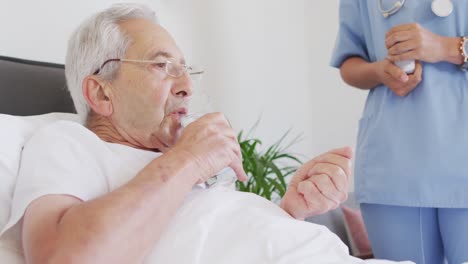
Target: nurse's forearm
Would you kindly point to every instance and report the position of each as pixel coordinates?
(359, 73)
(451, 47)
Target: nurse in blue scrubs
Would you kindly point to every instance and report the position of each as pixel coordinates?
(411, 163)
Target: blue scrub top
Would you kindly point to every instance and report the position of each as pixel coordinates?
(412, 150)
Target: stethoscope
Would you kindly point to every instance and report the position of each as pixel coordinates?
(441, 8)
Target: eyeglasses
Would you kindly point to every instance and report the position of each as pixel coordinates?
(171, 68)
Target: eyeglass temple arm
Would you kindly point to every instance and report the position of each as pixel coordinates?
(102, 66)
(197, 72)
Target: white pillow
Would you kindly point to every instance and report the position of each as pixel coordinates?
(14, 132)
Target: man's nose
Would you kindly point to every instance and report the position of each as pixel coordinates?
(183, 86)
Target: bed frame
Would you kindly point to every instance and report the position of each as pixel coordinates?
(31, 87)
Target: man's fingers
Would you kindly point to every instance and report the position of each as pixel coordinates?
(216, 118)
(346, 152)
(316, 202)
(334, 159)
(239, 170)
(228, 139)
(326, 187)
(301, 173)
(236, 165)
(229, 133)
(336, 174)
(340, 157)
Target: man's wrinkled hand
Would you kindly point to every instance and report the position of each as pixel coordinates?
(319, 185)
(212, 144)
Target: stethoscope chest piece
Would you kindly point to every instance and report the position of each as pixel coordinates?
(442, 8)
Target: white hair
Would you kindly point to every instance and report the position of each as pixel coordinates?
(96, 40)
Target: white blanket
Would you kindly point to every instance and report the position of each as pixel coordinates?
(220, 225)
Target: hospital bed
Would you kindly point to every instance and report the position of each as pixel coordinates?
(32, 88)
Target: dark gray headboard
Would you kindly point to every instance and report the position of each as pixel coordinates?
(32, 87)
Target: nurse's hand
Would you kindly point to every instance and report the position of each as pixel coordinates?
(414, 42)
(397, 80)
(319, 185)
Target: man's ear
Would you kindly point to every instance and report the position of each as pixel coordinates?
(97, 94)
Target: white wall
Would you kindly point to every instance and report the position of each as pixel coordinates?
(265, 58)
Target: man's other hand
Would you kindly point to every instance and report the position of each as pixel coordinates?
(319, 185)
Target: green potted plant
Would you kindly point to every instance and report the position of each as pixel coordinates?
(268, 171)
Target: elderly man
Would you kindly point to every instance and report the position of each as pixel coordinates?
(106, 192)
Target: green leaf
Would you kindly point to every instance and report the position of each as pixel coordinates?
(267, 171)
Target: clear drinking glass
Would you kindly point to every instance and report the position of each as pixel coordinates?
(226, 177)
(200, 104)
